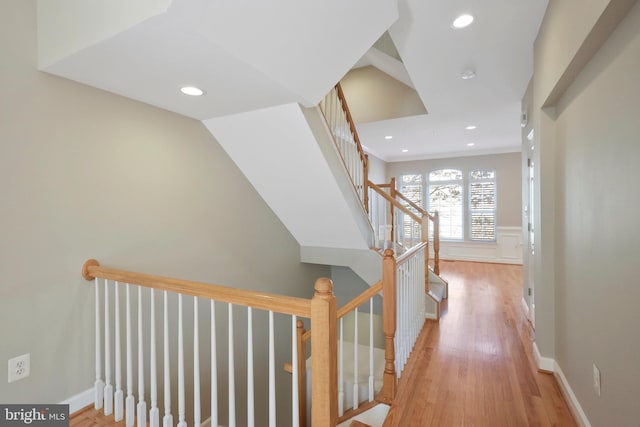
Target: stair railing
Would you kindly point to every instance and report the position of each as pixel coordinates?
(403, 315)
(343, 129)
(355, 354)
(153, 292)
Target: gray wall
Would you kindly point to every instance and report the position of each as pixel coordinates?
(377, 170)
(87, 174)
(586, 101)
(598, 229)
(508, 172)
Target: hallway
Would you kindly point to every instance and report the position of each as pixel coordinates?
(476, 367)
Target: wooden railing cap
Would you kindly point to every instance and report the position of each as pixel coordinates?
(323, 286)
(85, 268)
(388, 252)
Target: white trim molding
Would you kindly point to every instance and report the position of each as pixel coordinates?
(79, 401)
(545, 364)
(570, 398)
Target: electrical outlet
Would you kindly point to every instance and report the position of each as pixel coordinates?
(596, 379)
(19, 367)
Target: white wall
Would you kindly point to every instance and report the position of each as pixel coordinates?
(86, 174)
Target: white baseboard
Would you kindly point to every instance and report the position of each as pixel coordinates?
(570, 397)
(543, 363)
(79, 401)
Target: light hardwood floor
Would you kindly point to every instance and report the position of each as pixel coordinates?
(476, 367)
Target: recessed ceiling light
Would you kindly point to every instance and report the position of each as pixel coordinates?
(405, 150)
(388, 137)
(471, 144)
(192, 91)
(468, 74)
(470, 127)
(462, 21)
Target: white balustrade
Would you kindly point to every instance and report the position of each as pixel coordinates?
(355, 359)
(142, 405)
(108, 388)
(118, 397)
(231, 371)
(130, 400)
(196, 365)
(250, 387)
(371, 373)
(272, 373)
(214, 367)
(167, 420)
(182, 415)
(295, 413)
(98, 385)
(154, 412)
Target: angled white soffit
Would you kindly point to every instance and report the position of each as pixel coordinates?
(246, 55)
(277, 151)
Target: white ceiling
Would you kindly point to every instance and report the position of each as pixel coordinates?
(250, 54)
(498, 45)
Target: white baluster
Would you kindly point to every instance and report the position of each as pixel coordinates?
(118, 395)
(232, 376)
(295, 397)
(355, 360)
(196, 365)
(167, 420)
(108, 388)
(250, 390)
(130, 402)
(214, 368)
(142, 405)
(272, 374)
(371, 391)
(98, 385)
(341, 371)
(154, 412)
(181, 405)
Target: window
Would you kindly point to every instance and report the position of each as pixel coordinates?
(411, 188)
(445, 196)
(482, 205)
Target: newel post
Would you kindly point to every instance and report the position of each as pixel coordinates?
(425, 238)
(388, 392)
(436, 243)
(324, 357)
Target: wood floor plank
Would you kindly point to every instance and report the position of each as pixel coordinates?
(475, 367)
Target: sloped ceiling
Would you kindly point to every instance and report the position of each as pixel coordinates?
(246, 54)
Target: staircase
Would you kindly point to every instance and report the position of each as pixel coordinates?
(310, 168)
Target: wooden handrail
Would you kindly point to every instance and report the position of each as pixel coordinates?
(414, 205)
(360, 299)
(352, 124)
(394, 202)
(261, 300)
(407, 255)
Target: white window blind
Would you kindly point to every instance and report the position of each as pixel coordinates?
(482, 205)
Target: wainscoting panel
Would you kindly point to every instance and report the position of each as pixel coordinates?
(507, 249)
